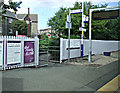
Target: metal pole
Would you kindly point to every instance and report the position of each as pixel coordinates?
(90, 45)
(28, 25)
(69, 40)
(82, 27)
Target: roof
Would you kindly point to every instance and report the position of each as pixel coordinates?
(21, 16)
(10, 14)
(43, 29)
(33, 17)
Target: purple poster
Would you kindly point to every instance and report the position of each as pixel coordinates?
(29, 51)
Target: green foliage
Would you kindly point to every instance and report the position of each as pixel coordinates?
(74, 36)
(54, 44)
(20, 26)
(11, 5)
(103, 29)
(106, 29)
(54, 41)
(58, 21)
(45, 41)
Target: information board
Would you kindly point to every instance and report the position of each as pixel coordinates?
(1, 53)
(29, 52)
(101, 15)
(13, 52)
(73, 44)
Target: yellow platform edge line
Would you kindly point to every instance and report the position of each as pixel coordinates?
(112, 85)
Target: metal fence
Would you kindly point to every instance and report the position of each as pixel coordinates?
(49, 54)
(98, 47)
(43, 56)
(54, 53)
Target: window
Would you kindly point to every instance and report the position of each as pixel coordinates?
(10, 20)
(10, 31)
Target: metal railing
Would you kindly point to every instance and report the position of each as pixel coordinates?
(54, 52)
(49, 54)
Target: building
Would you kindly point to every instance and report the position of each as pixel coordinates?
(32, 20)
(5, 21)
(45, 30)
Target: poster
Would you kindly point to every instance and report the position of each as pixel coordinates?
(13, 52)
(1, 53)
(29, 52)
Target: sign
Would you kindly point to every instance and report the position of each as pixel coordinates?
(85, 19)
(1, 53)
(82, 29)
(68, 25)
(75, 11)
(29, 52)
(68, 18)
(74, 43)
(13, 52)
(101, 15)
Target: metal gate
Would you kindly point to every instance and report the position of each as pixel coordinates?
(43, 56)
(54, 54)
(49, 54)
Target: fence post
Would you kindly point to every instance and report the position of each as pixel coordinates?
(22, 52)
(36, 51)
(47, 55)
(61, 44)
(5, 51)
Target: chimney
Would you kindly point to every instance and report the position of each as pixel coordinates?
(28, 27)
(28, 11)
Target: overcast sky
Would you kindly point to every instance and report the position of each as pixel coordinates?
(47, 8)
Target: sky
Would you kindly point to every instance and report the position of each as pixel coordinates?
(47, 8)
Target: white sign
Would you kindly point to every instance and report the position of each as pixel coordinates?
(68, 25)
(82, 29)
(75, 11)
(1, 53)
(85, 19)
(13, 53)
(68, 18)
(74, 43)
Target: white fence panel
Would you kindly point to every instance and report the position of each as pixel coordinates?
(18, 52)
(13, 51)
(98, 47)
(74, 48)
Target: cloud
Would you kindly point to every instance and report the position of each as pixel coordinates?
(46, 8)
(36, 4)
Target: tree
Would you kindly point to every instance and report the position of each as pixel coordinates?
(3, 9)
(10, 5)
(20, 26)
(57, 23)
(101, 29)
